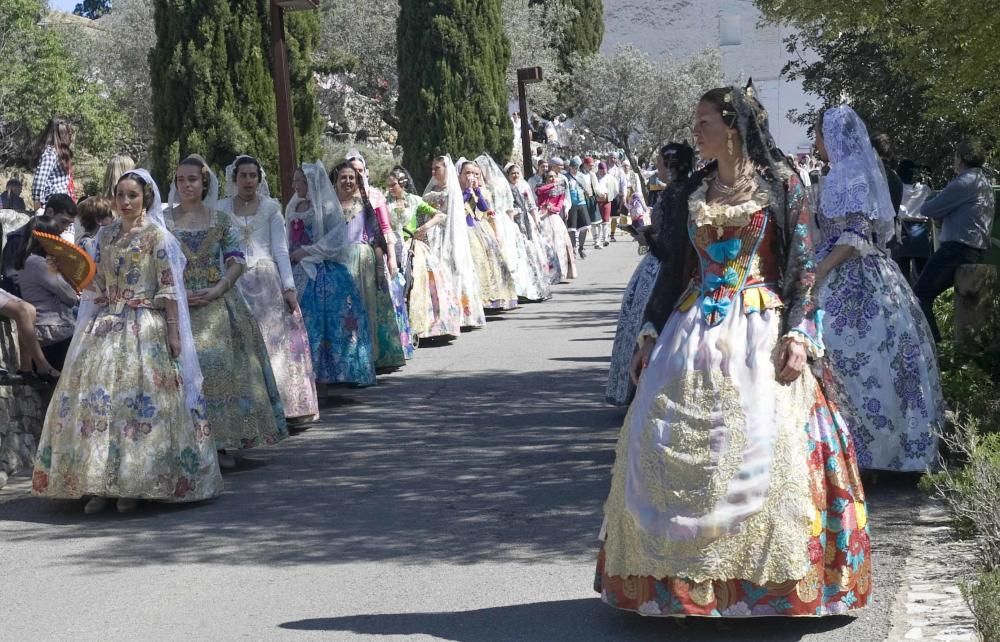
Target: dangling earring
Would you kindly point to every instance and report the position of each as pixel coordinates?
(729, 143)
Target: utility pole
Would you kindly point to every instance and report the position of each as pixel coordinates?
(524, 77)
(283, 91)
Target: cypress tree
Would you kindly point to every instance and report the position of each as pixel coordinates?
(583, 34)
(453, 57)
(302, 29)
(213, 92)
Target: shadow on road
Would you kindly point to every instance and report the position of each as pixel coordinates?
(566, 621)
(463, 469)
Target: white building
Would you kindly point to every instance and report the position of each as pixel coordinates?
(750, 48)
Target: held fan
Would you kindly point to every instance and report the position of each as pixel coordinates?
(72, 260)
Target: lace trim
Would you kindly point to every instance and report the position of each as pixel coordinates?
(724, 215)
(768, 547)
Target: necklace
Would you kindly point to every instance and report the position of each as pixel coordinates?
(743, 183)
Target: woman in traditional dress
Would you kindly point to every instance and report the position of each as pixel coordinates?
(735, 492)
(452, 246)
(339, 337)
(368, 265)
(496, 283)
(674, 164)
(551, 197)
(880, 347)
(241, 396)
(433, 306)
(526, 215)
(530, 283)
(396, 278)
(269, 288)
(127, 419)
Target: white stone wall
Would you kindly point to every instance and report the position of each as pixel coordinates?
(682, 28)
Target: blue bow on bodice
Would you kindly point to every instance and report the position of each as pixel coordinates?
(710, 306)
(730, 278)
(722, 251)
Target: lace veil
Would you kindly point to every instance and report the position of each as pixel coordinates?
(329, 226)
(857, 182)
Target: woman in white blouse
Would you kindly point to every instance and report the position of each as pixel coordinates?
(269, 287)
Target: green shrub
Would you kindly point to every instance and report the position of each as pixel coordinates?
(983, 597)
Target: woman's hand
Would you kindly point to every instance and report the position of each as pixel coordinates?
(640, 360)
(198, 298)
(292, 301)
(173, 340)
(792, 360)
(297, 255)
(420, 234)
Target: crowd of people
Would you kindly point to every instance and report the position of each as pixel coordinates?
(769, 347)
(216, 279)
(771, 350)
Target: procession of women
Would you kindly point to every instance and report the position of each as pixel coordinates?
(217, 323)
(771, 356)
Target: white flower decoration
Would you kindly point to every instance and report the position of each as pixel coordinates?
(649, 608)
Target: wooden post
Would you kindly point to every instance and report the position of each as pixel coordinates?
(525, 76)
(283, 100)
(287, 158)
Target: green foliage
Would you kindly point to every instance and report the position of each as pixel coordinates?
(969, 484)
(536, 32)
(303, 29)
(628, 101)
(42, 80)
(93, 9)
(213, 92)
(983, 597)
(886, 95)
(948, 45)
(453, 57)
(583, 33)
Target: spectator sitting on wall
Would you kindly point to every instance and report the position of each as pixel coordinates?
(11, 199)
(62, 210)
(965, 208)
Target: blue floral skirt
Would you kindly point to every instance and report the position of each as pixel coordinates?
(337, 323)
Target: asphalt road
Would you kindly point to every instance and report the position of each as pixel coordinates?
(460, 499)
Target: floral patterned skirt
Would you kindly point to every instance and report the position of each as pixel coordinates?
(434, 309)
(378, 302)
(244, 411)
(535, 287)
(339, 338)
(554, 228)
(732, 495)
(285, 338)
(881, 352)
(619, 389)
(496, 284)
(546, 250)
(118, 425)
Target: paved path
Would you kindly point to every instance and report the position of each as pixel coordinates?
(458, 500)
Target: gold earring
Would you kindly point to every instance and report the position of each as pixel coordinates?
(729, 142)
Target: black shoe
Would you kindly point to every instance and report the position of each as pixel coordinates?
(583, 253)
(613, 239)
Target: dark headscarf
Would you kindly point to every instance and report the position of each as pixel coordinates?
(740, 109)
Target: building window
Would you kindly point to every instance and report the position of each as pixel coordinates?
(730, 31)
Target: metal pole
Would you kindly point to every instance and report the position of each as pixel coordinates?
(283, 100)
(522, 99)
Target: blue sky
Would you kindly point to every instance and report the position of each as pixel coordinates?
(63, 5)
